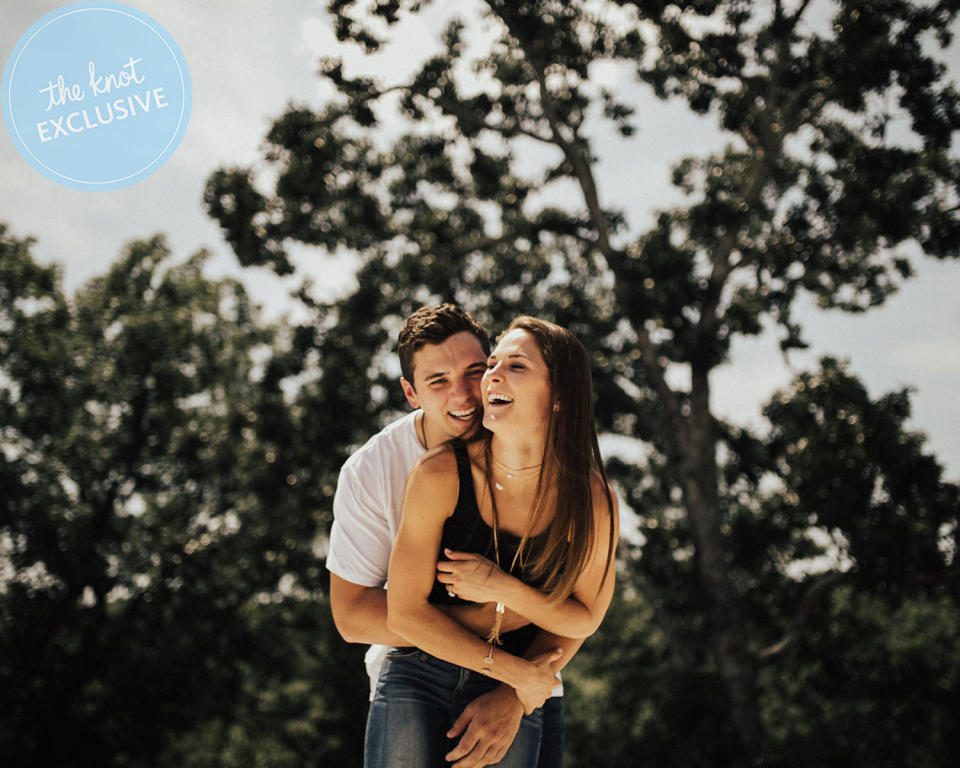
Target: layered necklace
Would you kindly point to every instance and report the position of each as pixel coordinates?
(513, 473)
(508, 473)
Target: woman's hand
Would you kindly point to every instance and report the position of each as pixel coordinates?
(537, 686)
(474, 577)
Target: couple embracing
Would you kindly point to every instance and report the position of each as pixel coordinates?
(488, 512)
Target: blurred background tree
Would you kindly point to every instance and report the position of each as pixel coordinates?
(838, 121)
(158, 576)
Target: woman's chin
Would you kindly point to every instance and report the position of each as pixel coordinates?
(490, 421)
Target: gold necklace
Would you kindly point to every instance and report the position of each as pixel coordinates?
(511, 472)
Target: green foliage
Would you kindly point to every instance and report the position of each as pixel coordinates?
(872, 684)
(301, 702)
(838, 155)
(854, 463)
(635, 694)
(842, 544)
(788, 595)
(157, 570)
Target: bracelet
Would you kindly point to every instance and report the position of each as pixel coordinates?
(488, 659)
(494, 637)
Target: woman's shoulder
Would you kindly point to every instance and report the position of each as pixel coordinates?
(598, 483)
(604, 496)
(444, 457)
(433, 483)
(606, 514)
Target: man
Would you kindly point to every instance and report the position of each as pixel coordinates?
(443, 354)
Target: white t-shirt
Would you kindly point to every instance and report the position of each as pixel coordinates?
(366, 512)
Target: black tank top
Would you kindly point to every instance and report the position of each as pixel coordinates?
(466, 531)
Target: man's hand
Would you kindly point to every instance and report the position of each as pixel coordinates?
(489, 724)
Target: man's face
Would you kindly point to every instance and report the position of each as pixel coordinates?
(446, 385)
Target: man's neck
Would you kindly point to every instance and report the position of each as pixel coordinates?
(431, 435)
(425, 431)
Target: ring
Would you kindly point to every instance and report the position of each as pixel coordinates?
(451, 592)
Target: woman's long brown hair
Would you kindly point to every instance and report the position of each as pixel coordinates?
(571, 455)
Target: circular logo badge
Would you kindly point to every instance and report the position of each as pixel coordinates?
(96, 95)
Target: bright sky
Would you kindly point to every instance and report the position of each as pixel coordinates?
(248, 60)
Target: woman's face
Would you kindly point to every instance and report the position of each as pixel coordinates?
(516, 387)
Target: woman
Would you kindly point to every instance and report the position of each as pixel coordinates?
(527, 522)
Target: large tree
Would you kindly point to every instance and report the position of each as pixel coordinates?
(857, 650)
(838, 123)
(157, 582)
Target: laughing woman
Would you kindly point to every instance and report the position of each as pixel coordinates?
(521, 518)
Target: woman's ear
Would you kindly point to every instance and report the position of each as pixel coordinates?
(556, 406)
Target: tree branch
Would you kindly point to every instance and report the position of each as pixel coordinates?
(767, 147)
(649, 357)
(801, 9)
(820, 587)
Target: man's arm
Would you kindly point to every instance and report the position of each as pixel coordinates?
(360, 614)
(489, 724)
(430, 495)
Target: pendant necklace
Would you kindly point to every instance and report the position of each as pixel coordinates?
(510, 473)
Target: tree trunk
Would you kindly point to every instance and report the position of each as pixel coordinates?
(728, 637)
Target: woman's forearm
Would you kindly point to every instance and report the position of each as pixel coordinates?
(569, 618)
(433, 631)
(480, 617)
(474, 577)
(430, 496)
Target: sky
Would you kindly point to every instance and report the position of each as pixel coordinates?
(249, 60)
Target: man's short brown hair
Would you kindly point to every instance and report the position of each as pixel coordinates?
(434, 325)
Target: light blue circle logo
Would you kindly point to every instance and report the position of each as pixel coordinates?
(96, 95)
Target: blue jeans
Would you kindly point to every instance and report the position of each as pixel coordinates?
(418, 698)
(553, 734)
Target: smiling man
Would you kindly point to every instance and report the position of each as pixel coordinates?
(443, 355)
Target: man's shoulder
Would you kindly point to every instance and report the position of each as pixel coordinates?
(394, 441)
(439, 460)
